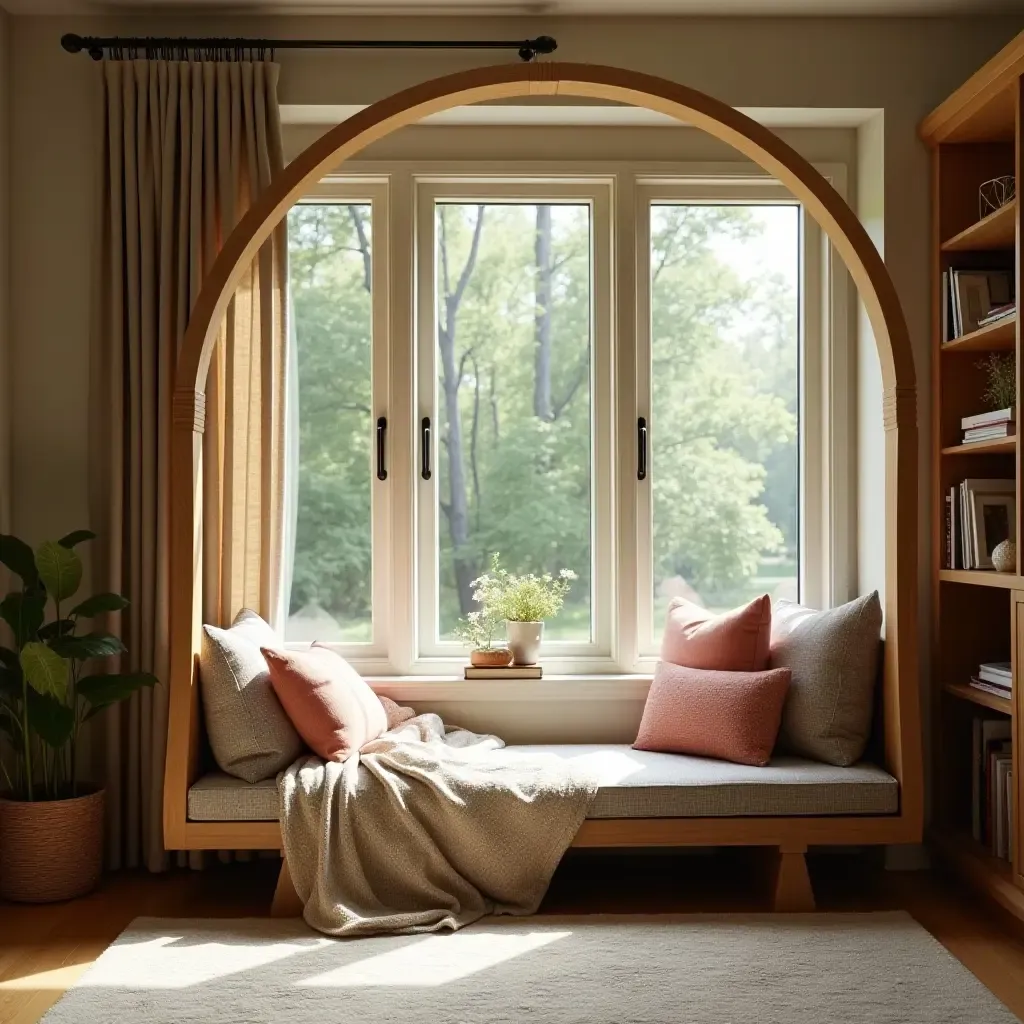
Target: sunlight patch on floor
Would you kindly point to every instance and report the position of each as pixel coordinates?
(162, 964)
(434, 960)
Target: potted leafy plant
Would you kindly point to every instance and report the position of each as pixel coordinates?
(524, 602)
(477, 631)
(51, 822)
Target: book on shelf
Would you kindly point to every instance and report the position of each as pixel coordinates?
(980, 514)
(986, 426)
(508, 672)
(970, 296)
(988, 419)
(994, 688)
(995, 432)
(996, 672)
(998, 313)
(991, 742)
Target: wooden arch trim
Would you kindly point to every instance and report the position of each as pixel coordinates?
(877, 293)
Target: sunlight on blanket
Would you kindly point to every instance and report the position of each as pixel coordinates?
(434, 960)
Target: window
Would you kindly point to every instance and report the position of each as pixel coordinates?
(482, 320)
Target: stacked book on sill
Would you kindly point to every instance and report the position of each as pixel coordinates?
(992, 782)
(505, 672)
(994, 677)
(972, 299)
(989, 426)
(980, 514)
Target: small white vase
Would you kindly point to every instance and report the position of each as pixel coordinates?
(524, 641)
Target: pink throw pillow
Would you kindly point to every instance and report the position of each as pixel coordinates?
(734, 716)
(329, 703)
(735, 641)
(396, 713)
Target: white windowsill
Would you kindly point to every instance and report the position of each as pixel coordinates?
(550, 688)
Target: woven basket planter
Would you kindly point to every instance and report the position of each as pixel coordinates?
(50, 849)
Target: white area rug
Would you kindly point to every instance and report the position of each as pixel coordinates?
(813, 969)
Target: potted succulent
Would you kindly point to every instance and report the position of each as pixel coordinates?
(51, 821)
(477, 632)
(524, 602)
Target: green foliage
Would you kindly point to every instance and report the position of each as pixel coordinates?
(529, 598)
(1001, 377)
(514, 452)
(477, 630)
(59, 568)
(44, 698)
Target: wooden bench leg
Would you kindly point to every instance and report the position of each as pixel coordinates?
(286, 899)
(791, 886)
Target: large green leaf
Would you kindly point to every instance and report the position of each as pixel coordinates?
(52, 721)
(76, 537)
(89, 645)
(45, 670)
(59, 627)
(24, 613)
(103, 690)
(18, 557)
(60, 569)
(100, 603)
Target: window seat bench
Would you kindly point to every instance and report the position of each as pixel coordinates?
(640, 784)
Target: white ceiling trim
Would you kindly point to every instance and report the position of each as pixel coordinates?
(585, 115)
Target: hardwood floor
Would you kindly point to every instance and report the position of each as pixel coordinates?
(44, 949)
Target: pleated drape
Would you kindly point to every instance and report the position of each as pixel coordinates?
(188, 147)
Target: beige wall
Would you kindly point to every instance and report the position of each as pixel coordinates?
(903, 67)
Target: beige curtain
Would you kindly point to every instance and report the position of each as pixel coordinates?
(188, 147)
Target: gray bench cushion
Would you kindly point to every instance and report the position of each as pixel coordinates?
(641, 784)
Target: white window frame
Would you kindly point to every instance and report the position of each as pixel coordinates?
(597, 193)
(404, 390)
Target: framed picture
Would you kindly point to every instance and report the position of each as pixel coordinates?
(994, 520)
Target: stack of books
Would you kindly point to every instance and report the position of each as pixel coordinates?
(992, 782)
(998, 313)
(994, 677)
(989, 426)
(974, 298)
(979, 515)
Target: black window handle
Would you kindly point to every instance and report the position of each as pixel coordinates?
(425, 448)
(641, 449)
(382, 429)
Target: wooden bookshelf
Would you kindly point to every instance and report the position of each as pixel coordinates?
(999, 444)
(982, 698)
(977, 615)
(996, 231)
(998, 337)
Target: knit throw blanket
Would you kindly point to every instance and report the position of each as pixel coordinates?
(426, 829)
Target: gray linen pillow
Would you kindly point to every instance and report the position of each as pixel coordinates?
(250, 734)
(833, 658)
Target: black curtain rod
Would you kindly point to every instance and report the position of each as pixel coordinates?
(95, 45)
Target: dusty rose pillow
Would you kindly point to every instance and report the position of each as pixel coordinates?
(331, 706)
(733, 716)
(735, 641)
(396, 713)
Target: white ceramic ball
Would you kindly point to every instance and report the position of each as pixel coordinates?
(1004, 556)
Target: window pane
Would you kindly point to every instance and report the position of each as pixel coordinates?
(329, 269)
(724, 403)
(513, 287)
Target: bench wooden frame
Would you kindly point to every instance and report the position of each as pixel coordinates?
(900, 686)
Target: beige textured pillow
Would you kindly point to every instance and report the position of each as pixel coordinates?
(833, 659)
(250, 735)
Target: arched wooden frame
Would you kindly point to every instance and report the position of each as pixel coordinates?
(902, 739)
